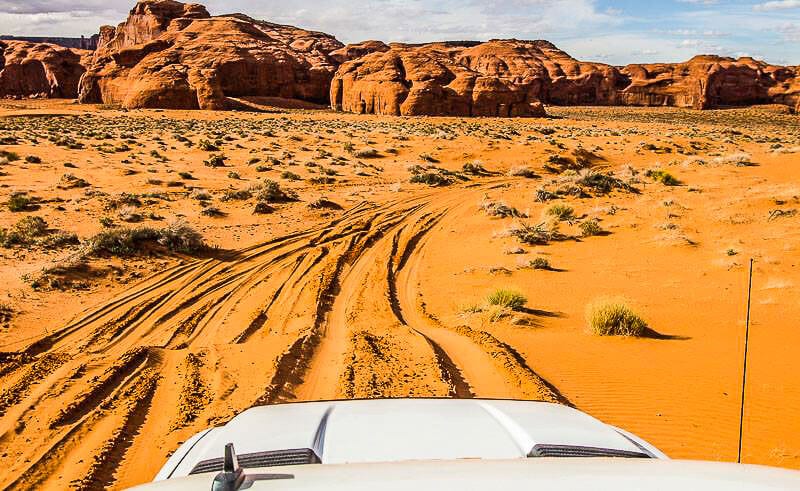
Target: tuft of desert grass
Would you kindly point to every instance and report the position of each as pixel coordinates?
(510, 299)
(613, 317)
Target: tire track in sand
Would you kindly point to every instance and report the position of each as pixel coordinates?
(321, 313)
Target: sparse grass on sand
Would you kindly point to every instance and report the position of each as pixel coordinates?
(613, 317)
(510, 299)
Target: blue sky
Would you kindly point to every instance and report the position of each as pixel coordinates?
(616, 32)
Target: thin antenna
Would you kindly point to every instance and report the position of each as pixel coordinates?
(744, 368)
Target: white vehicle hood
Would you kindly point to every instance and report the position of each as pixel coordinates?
(486, 475)
(364, 431)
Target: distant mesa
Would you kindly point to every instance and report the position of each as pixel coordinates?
(40, 70)
(82, 42)
(174, 55)
(510, 77)
(495, 78)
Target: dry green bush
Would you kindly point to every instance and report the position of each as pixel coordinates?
(613, 317)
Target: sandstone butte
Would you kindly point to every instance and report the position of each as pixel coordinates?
(173, 55)
(511, 77)
(40, 69)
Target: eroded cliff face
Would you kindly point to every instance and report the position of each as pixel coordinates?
(40, 69)
(499, 78)
(173, 55)
(504, 77)
(706, 82)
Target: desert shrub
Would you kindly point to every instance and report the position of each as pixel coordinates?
(212, 211)
(19, 202)
(180, 236)
(207, 146)
(510, 299)
(740, 159)
(289, 176)
(176, 236)
(236, 195)
(522, 171)
(614, 318)
(543, 195)
(123, 199)
(24, 232)
(499, 209)
(561, 212)
(271, 192)
(59, 239)
(367, 153)
(8, 155)
(433, 176)
(662, 176)
(201, 195)
(328, 172)
(590, 227)
(129, 214)
(6, 313)
(121, 241)
(599, 182)
(539, 234)
(262, 208)
(216, 160)
(538, 263)
(31, 226)
(474, 168)
(33, 159)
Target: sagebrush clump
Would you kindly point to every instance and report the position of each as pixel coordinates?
(177, 236)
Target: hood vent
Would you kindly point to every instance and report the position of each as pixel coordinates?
(297, 456)
(543, 450)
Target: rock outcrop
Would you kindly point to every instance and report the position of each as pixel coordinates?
(706, 82)
(498, 78)
(40, 69)
(174, 55)
(510, 78)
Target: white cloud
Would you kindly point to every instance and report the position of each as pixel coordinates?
(777, 5)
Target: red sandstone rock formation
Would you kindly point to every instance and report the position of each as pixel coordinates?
(174, 55)
(40, 69)
(499, 78)
(169, 54)
(504, 77)
(357, 50)
(706, 82)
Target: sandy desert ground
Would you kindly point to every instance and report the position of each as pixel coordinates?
(365, 284)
